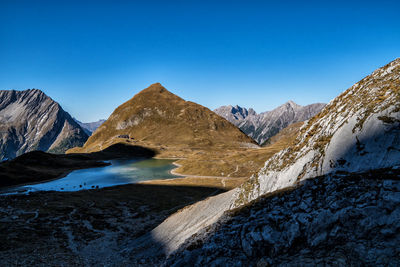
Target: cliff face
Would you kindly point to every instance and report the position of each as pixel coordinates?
(157, 116)
(261, 127)
(30, 120)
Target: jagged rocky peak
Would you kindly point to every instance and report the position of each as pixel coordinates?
(242, 112)
(261, 127)
(30, 120)
(292, 104)
(156, 116)
(357, 131)
(234, 114)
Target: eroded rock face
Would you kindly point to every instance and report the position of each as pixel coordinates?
(357, 131)
(263, 126)
(344, 220)
(30, 120)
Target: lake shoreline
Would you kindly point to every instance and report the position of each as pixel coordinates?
(39, 166)
(64, 174)
(113, 173)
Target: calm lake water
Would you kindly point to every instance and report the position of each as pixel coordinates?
(118, 173)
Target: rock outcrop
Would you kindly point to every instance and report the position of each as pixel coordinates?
(261, 127)
(30, 120)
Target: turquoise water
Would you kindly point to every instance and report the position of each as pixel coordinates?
(118, 173)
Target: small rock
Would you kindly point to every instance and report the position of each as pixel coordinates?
(268, 234)
(292, 232)
(391, 196)
(387, 231)
(334, 231)
(303, 218)
(256, 236)
(321, 237)
(391, 185)
(303, 206)
(247, 248)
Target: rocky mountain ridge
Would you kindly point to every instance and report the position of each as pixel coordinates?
(357, 131)
(263, 126)
(30, 120)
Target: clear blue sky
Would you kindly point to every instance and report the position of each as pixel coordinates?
(91, 56)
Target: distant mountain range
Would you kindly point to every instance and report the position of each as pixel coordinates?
(90, 127)
(263, 126)
(30, 120)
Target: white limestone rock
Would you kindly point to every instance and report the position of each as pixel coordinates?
(357, 131)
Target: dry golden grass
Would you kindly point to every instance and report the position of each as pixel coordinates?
(242, 162)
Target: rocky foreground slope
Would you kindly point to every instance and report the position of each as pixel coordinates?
(339, 220)
(356, 132)
(261, 127)
(85, 228)
(30, 120)
(157, 117)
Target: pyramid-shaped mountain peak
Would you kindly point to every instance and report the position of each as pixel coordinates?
(156, 116)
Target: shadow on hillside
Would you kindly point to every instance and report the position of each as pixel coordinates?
(124, 212)
(119, 151)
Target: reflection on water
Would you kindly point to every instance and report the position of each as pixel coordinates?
(118, 173)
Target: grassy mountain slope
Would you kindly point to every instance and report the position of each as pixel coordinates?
(157, 118)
